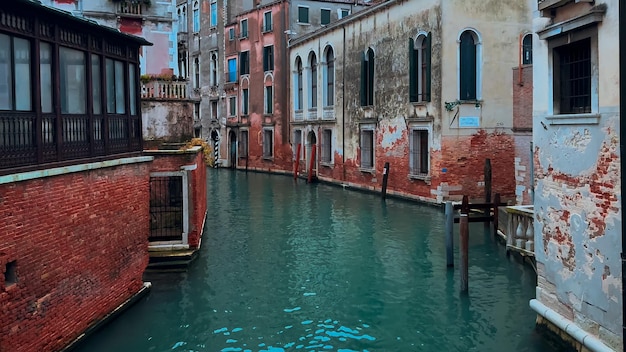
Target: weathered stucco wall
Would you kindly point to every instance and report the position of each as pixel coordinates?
(578, 191)
(457, 154)
(167, 121)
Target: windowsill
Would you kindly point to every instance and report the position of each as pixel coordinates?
(268, 158)
(304, 23)
(242, 38)
(367, 170)
(423, 177)
(327, 164)
(574, 119)
(420, 103)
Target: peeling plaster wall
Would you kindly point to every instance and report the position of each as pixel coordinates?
(578, 195)
(167, 121)
(457, 154)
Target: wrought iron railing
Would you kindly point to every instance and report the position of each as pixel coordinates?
(166, 208)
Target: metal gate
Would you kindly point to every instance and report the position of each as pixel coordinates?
(167, 215)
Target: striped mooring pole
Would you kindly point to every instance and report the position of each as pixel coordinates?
(215, 152)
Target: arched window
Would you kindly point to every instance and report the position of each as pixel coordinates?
(329, 77)
(469, 66)
(419, 68)
(196, 71)
(527, 49)
(184, 18)
(298, 84)
(269, 98)
(196, 17)
(313, 82)
(367, 78)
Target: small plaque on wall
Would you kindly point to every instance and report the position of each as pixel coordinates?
(469, 121)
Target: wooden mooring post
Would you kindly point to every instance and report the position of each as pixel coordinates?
(311, 164)
(297, 164)
(464, 243)
(487, 193)
(385, 177)
(449, 234)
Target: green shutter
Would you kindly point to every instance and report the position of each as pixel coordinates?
(370, 78)
(468, 67)
(427, 58)
(412, 71)
(363, 80)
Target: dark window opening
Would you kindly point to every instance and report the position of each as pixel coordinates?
(527, 49)
(303, 14)
(10, 273)
(367, 149)
(244, 63)
(268, 58)
(574, 77)
(367, 78)
(468, 67)
(325, 16)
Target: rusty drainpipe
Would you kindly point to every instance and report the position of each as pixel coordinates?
(622, 137)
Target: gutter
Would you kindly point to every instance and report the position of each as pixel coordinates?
(622, 148)
(586, 339)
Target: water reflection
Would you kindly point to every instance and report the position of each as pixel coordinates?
(293, 267)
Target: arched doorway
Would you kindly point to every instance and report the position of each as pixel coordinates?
(232, 155)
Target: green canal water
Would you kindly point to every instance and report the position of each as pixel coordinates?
(287, 266)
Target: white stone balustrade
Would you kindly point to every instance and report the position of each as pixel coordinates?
(520, 234)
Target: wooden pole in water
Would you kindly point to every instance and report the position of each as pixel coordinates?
(496, 204)
(449, 234)
(385, 176)
(487, 193)
(297, 165)
(311, 164)
(464, 243)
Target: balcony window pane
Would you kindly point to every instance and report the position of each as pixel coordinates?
(96, 89)
(21, 52)
(6, 74)
(45, 73)
(73, 87)
(110, 77)
(132, 85)
(120, 95)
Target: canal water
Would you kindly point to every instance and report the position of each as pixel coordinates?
(287, 266)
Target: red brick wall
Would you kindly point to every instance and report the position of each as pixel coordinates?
(523, 98)
(463, 157)
(80, 241)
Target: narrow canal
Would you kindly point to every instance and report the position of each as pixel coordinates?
(297, 267)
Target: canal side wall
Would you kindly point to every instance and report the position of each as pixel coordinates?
(73, 248)
(192, 160)
(578, 205)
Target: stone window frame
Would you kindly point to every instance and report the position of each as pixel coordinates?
(367, 128)
(478, 68)
(415, 127)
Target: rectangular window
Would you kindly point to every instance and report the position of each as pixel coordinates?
(325, 16)
(268, 143)
(214, 110)
(232, 70)
(196, 72)
(232, 106)
(243, 144)
(419, 154)
(367, 149)
(231, 33)
(269, 100)
(115, 87)
(196, 111)
(244, 102)
(213, 13)
(243, 29)
(96, 88)
(267, 21)
(573, 71)
(303, 14)
(244, 63)
(21, 57)
(132, 86)
(343, 13)
(73, 81)
(6, 73)
(45, 75)
(268, 58)
(327, 136)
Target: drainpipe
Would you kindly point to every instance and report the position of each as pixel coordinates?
(587, 340)
(343, 104)
(622, 148)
